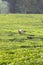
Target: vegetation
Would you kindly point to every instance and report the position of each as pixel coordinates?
(21, 6)
(21, 49)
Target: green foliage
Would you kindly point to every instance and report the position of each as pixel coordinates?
(26, 6)
(21, 6)
(4, 7)
(17, 49)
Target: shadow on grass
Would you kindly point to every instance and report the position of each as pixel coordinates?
(30, 37)
(17, 40)
(23, 39)
(27, 37)
(31, 46)
(10, 33)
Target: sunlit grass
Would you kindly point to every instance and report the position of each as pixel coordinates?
(17, 49)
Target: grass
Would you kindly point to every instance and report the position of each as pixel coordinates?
(26, 49)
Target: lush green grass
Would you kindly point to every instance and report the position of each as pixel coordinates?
(25, 49)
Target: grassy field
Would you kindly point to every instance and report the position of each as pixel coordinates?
(21, 49)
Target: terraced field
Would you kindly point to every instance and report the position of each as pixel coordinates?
(21, 49)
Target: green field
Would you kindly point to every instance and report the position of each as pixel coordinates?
(21, 49)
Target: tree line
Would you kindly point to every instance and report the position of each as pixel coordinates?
(21, 6)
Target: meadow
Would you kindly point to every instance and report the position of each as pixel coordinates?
(21, 49)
